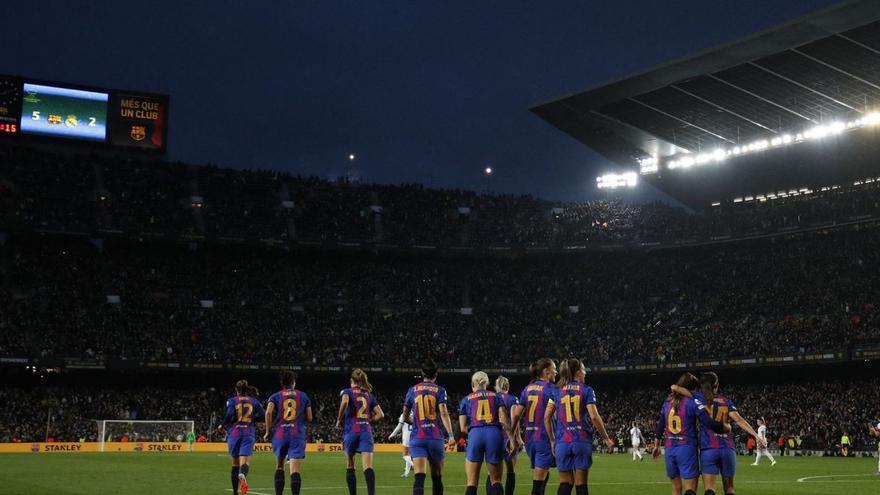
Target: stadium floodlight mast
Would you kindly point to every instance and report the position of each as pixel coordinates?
(351, 157)
(488, 171)
(651, 165)
(613, 181)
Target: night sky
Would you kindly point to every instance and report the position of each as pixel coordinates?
(429, 92)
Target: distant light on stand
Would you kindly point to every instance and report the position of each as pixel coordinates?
(613, 181)
(488, 170)
(351, 157)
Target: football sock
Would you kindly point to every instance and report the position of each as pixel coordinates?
(295, 483)
(709, 492)
(564, 489)
(497, 489)
(351, 481)
(235, 480)
(690, 492)
(244, 470)
(471, 490)
(488, 485)
(510, 484)
(537, 487)
(279, 481)
(581, 490)
(370, 476)
(419, 484)
(437, 481)
(546, 481)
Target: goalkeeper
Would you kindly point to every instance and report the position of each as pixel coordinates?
(190, 440)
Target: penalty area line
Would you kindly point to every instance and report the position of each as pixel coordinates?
(807, 479)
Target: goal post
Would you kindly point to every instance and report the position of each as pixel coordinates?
(138, 430)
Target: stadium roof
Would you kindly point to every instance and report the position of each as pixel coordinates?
(818, 70)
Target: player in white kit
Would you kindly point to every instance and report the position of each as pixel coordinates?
(404, 429)
(762, 444)
(637, 439)
(875, 432)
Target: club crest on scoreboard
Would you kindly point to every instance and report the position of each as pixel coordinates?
(138, 132)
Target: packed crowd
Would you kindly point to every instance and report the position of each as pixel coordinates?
(71, 414)
(64, 298)
(90, 194)
(817, 413)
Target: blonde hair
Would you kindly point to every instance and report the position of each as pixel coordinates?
(480, 379)
(502, 384)
(359, 377)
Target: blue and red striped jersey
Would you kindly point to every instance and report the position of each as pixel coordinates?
(359, 411)
(677, 423)
(572, 419)
(290, 408)
(534, 398)
(718, 409)
(241, 412)
(424, 401)
(482, 407)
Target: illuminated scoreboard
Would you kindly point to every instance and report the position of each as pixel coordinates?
(118, 118)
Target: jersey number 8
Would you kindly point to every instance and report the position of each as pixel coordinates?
(289, 409)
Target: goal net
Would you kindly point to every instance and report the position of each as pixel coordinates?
(122, 430)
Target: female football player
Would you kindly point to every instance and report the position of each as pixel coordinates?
(241, 412)
(288, 412)
(532, 404)
(571, 435)
(482, 416)
(357, 410)
(425, 403)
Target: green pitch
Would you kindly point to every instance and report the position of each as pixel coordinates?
(208, 474)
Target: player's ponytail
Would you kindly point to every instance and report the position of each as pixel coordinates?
(359, 377)
(242, 387)
(253, 391)
(480, 380)
(708, 385)
(568, 368)
(688, 381)
(502, 384)
(537, 368)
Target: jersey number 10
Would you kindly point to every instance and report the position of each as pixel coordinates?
(427, 405)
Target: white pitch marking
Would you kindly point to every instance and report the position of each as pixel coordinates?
(807, 478)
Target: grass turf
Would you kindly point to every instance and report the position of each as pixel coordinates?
(208, 474)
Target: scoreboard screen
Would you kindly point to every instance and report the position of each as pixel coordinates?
(58, 110)
(64, 112)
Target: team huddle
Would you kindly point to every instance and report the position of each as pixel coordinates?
(553, 421)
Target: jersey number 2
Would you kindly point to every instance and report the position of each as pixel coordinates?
(362, 412)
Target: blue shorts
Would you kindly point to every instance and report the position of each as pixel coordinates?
(357, 443)
(540, 455)
(434, 450)
(290, 447)
(240, 446)
(485, 441)
(714, 461)
(575, 455)
(682, 461)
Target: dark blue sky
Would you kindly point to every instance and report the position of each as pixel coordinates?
(421, 91)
